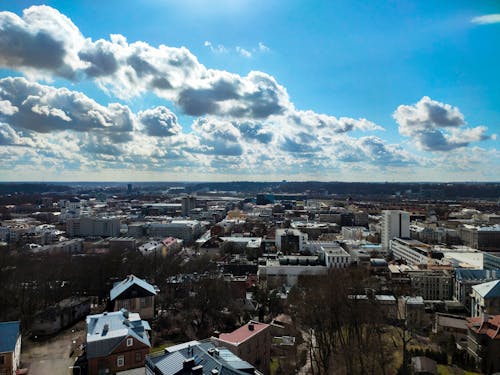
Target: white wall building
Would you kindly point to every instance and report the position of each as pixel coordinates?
(395, 223)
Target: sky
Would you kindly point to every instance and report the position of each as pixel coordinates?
(257, 90)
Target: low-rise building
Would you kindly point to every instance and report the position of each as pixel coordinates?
(466, 279)
(134, 294)
(484, 342)
(116, 341)
(251, 342)
(197, 358)
(10, 347)
(485, 299)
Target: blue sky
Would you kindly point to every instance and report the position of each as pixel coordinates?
(340, 90)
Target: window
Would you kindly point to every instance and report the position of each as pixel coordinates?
(138, 356)
(130, 341)
(120, 361)
(2, 360)
(143, 302)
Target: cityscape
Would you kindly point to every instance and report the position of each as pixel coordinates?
(263, 187)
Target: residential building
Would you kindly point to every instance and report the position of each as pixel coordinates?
(188, 203)
(484, 342)
(88, 226)
(485, 299)
(134, 294)
(197, 358)
(116, 341)
(412, 309)
(395, 223)
(10, 347)
(485, 238)
(432, 284)
(251, 343)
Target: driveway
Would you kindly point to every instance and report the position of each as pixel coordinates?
(52, 356)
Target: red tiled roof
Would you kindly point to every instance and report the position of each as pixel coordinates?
(243, 333)
(489, 326)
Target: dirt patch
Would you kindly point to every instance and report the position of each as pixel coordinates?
(53, 355)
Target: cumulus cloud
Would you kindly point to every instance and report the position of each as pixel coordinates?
(45, 109)
(42, 41)
(159, 122)
(436, 126)
(486, 19)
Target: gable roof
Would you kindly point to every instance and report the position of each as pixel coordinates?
(491, 289)
(107, 330)
(129, 282)
(9, 332)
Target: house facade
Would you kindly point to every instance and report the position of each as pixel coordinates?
(134, 294)
(10, 347)
(483, 342)
(251, 342)
(116, 341)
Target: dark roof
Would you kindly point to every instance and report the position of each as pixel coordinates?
(477, 275)
(9, 332)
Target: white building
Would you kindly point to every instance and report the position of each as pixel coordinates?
(354, 233)
(411, 251)
(186, 230)
(395, 223)
(336, 257)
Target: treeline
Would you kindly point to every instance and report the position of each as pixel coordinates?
(31, 187)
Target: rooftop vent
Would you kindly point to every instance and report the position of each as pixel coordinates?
(214, 371)
(251, 327)
(105, 329)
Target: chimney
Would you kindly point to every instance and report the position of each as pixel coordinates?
(216, 334)
(198, 370)
(214, 371)
(251, 327)
(188, 364)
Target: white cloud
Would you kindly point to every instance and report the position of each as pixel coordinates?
(219, 48)
(243, 52)
(436, 126)
(486, 19)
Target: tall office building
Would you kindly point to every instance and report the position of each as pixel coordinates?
(395, 223)
(188, 203)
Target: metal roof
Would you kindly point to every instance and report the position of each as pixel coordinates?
(9, 331)
(127, 283)
(477, 275)
(204, 354)
(107, 330)
(491, 289)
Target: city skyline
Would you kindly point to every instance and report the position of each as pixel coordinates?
(240, 90)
